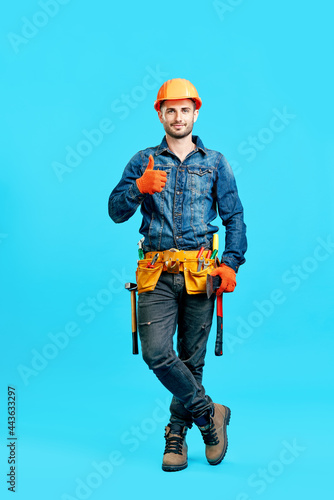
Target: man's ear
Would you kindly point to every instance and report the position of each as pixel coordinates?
(160, 116)
(195, 115)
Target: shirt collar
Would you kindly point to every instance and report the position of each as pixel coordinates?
(164, 146)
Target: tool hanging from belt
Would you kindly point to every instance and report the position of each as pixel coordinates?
(212, 284)
(132, 287)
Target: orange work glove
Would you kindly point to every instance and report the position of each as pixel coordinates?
(152, 181)
(227, 275)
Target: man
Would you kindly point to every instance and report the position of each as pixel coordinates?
(180, 185)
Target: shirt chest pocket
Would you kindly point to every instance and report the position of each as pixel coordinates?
(159, 201)
(199, 179)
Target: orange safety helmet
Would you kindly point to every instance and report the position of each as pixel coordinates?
(176, 89)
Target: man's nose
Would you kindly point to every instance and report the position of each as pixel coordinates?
(178, 116)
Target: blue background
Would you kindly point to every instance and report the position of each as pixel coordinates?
(90, 401)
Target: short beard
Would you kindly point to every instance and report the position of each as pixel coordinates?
(173, 134)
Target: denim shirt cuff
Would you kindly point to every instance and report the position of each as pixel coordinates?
(230, 263)
(135, 194)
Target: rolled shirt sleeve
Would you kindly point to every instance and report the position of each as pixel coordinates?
(126, 197)
(231, 212)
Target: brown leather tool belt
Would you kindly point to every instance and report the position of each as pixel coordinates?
(175, 261)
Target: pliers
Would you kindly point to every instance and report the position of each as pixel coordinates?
(150, 265)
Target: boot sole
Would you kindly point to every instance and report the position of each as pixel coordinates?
(226, 422)
(174, 468)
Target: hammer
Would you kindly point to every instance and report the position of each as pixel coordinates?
(212, 284)
(132, 287)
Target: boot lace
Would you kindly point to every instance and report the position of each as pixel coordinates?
(174, 444)
(209, 434)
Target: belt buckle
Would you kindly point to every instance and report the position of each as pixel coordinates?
(173, 267)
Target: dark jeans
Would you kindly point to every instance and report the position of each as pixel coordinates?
(159, 313)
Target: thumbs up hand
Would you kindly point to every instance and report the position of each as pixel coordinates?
(152, 181)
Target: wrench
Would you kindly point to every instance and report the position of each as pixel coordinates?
(205, 265)
(201, 261)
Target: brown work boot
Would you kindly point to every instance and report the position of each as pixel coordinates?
(175, 454)
(214, 433)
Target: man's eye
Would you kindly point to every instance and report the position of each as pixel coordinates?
(186, 111)
(170, 111)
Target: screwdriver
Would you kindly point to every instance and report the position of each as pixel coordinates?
(140, 249)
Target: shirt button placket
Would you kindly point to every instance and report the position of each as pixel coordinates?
(178, 204)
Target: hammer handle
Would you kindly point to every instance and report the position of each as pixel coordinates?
(134, 323)
(219, 338)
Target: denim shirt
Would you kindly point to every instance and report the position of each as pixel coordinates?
(181, 215)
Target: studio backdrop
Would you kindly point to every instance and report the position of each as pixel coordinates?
(81, 416)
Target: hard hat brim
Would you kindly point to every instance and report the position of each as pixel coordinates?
(197, 100)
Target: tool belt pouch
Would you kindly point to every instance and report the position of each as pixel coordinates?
(147, 278)
(195, 281)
